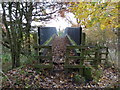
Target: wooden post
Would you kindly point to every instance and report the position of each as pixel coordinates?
(66, 61)
(99, 55)
(39, 43)
(83, 38)
(67, 54)
(95, 62)
(37, 53)
(81, 71)
(39, 33)
(82, 53)
(106, 60)
(80, 38)
(36, 44)
(51, 54)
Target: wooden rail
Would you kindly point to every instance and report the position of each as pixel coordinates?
(89, 54)
(39, 57)
(39, 49)
(93, 55)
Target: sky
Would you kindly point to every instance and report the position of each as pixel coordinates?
(59, 22)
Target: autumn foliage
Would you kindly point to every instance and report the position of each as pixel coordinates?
(103, 15)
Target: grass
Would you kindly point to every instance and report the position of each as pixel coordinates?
(7, 61)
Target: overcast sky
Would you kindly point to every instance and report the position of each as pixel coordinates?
(59, 22)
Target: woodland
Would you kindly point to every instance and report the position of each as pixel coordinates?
(21, 56)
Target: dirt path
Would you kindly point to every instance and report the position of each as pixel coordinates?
(59, 49)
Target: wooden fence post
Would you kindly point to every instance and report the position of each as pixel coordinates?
(67, 55)
(83, 38)
(81, 71)
(106, 55)
(96, 57)
(66, 61)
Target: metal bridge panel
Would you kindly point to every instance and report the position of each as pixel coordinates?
(75, 33)
(45, 33)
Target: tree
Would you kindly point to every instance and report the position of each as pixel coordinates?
(27, 10)
(13, 34)
(97, 16)
(17, 18)
(103, 15)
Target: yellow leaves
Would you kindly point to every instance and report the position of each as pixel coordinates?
(82, 16)
(102, 27)
(114, 12)
(105, 23)
(113, 18)
(117, 26)
(90, 14)
(88, 25)
(80, 5)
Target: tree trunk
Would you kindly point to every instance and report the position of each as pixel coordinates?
(28, 17)
(12, 35)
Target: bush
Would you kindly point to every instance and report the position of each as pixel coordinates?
(78, 79)
(88, 73)
(97, 74)
(6, 58)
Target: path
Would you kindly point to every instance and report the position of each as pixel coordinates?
(58, 50)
